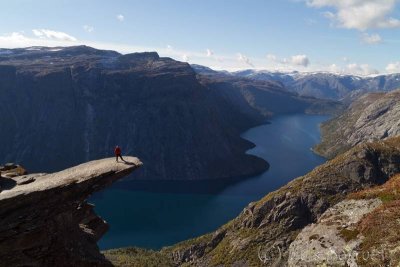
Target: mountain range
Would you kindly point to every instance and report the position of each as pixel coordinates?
(325, 85)
(65, 105)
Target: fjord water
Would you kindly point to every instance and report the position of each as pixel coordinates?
(155, 214)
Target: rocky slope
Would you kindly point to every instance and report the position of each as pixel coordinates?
(372, 117)
(262, 234)
(352, 234)
(46, 221)
(61, 106)
(332, 240)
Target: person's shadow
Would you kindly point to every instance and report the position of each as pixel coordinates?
(7, 183)
(128, 162)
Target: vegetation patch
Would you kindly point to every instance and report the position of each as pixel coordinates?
(388, 192)
(380, 228)
(137, 257)
(382, 236)
(349, 234)
(188, 243)
(314, 237)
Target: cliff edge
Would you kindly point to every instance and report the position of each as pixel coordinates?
(46, 221)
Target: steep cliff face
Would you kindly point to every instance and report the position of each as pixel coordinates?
(372, 117)
(262, 234)
(46, 221)
(67, 105)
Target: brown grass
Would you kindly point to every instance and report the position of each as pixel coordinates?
(390, 191)
(348, 234)
(381, 228)
(382, 235)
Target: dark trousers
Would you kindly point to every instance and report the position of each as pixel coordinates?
(118, 155)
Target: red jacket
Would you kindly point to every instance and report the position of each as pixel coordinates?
(117, 151)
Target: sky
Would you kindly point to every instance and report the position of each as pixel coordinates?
(343, 36)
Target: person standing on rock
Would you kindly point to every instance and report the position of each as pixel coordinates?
(117, 152)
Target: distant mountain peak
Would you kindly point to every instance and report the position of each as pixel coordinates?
(320, 84)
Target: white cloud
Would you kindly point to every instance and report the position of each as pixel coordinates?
(371, 38)
(19, 39)
(120, 17)
(53, 35)
(335, 68)
(297, 60)
(88, 28)
(360, 69)
(15, 37)
(211, 55)
(351, 68)
(185, 57)
(272, 57)
(393, 67)
(244, 59)
(328, 15)
(359, 14)
(300, 60)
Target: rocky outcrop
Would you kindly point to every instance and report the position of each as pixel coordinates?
(373, 117)
(262, 234)
(333, 239)
(46, 221)
(359, 231)
(12, 170)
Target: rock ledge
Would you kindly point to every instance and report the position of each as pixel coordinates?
(46, 221)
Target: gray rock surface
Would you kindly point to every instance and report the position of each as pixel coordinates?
(372, 117)
(46, 221)
(324, 242)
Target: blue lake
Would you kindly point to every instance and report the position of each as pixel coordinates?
(155, 214)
